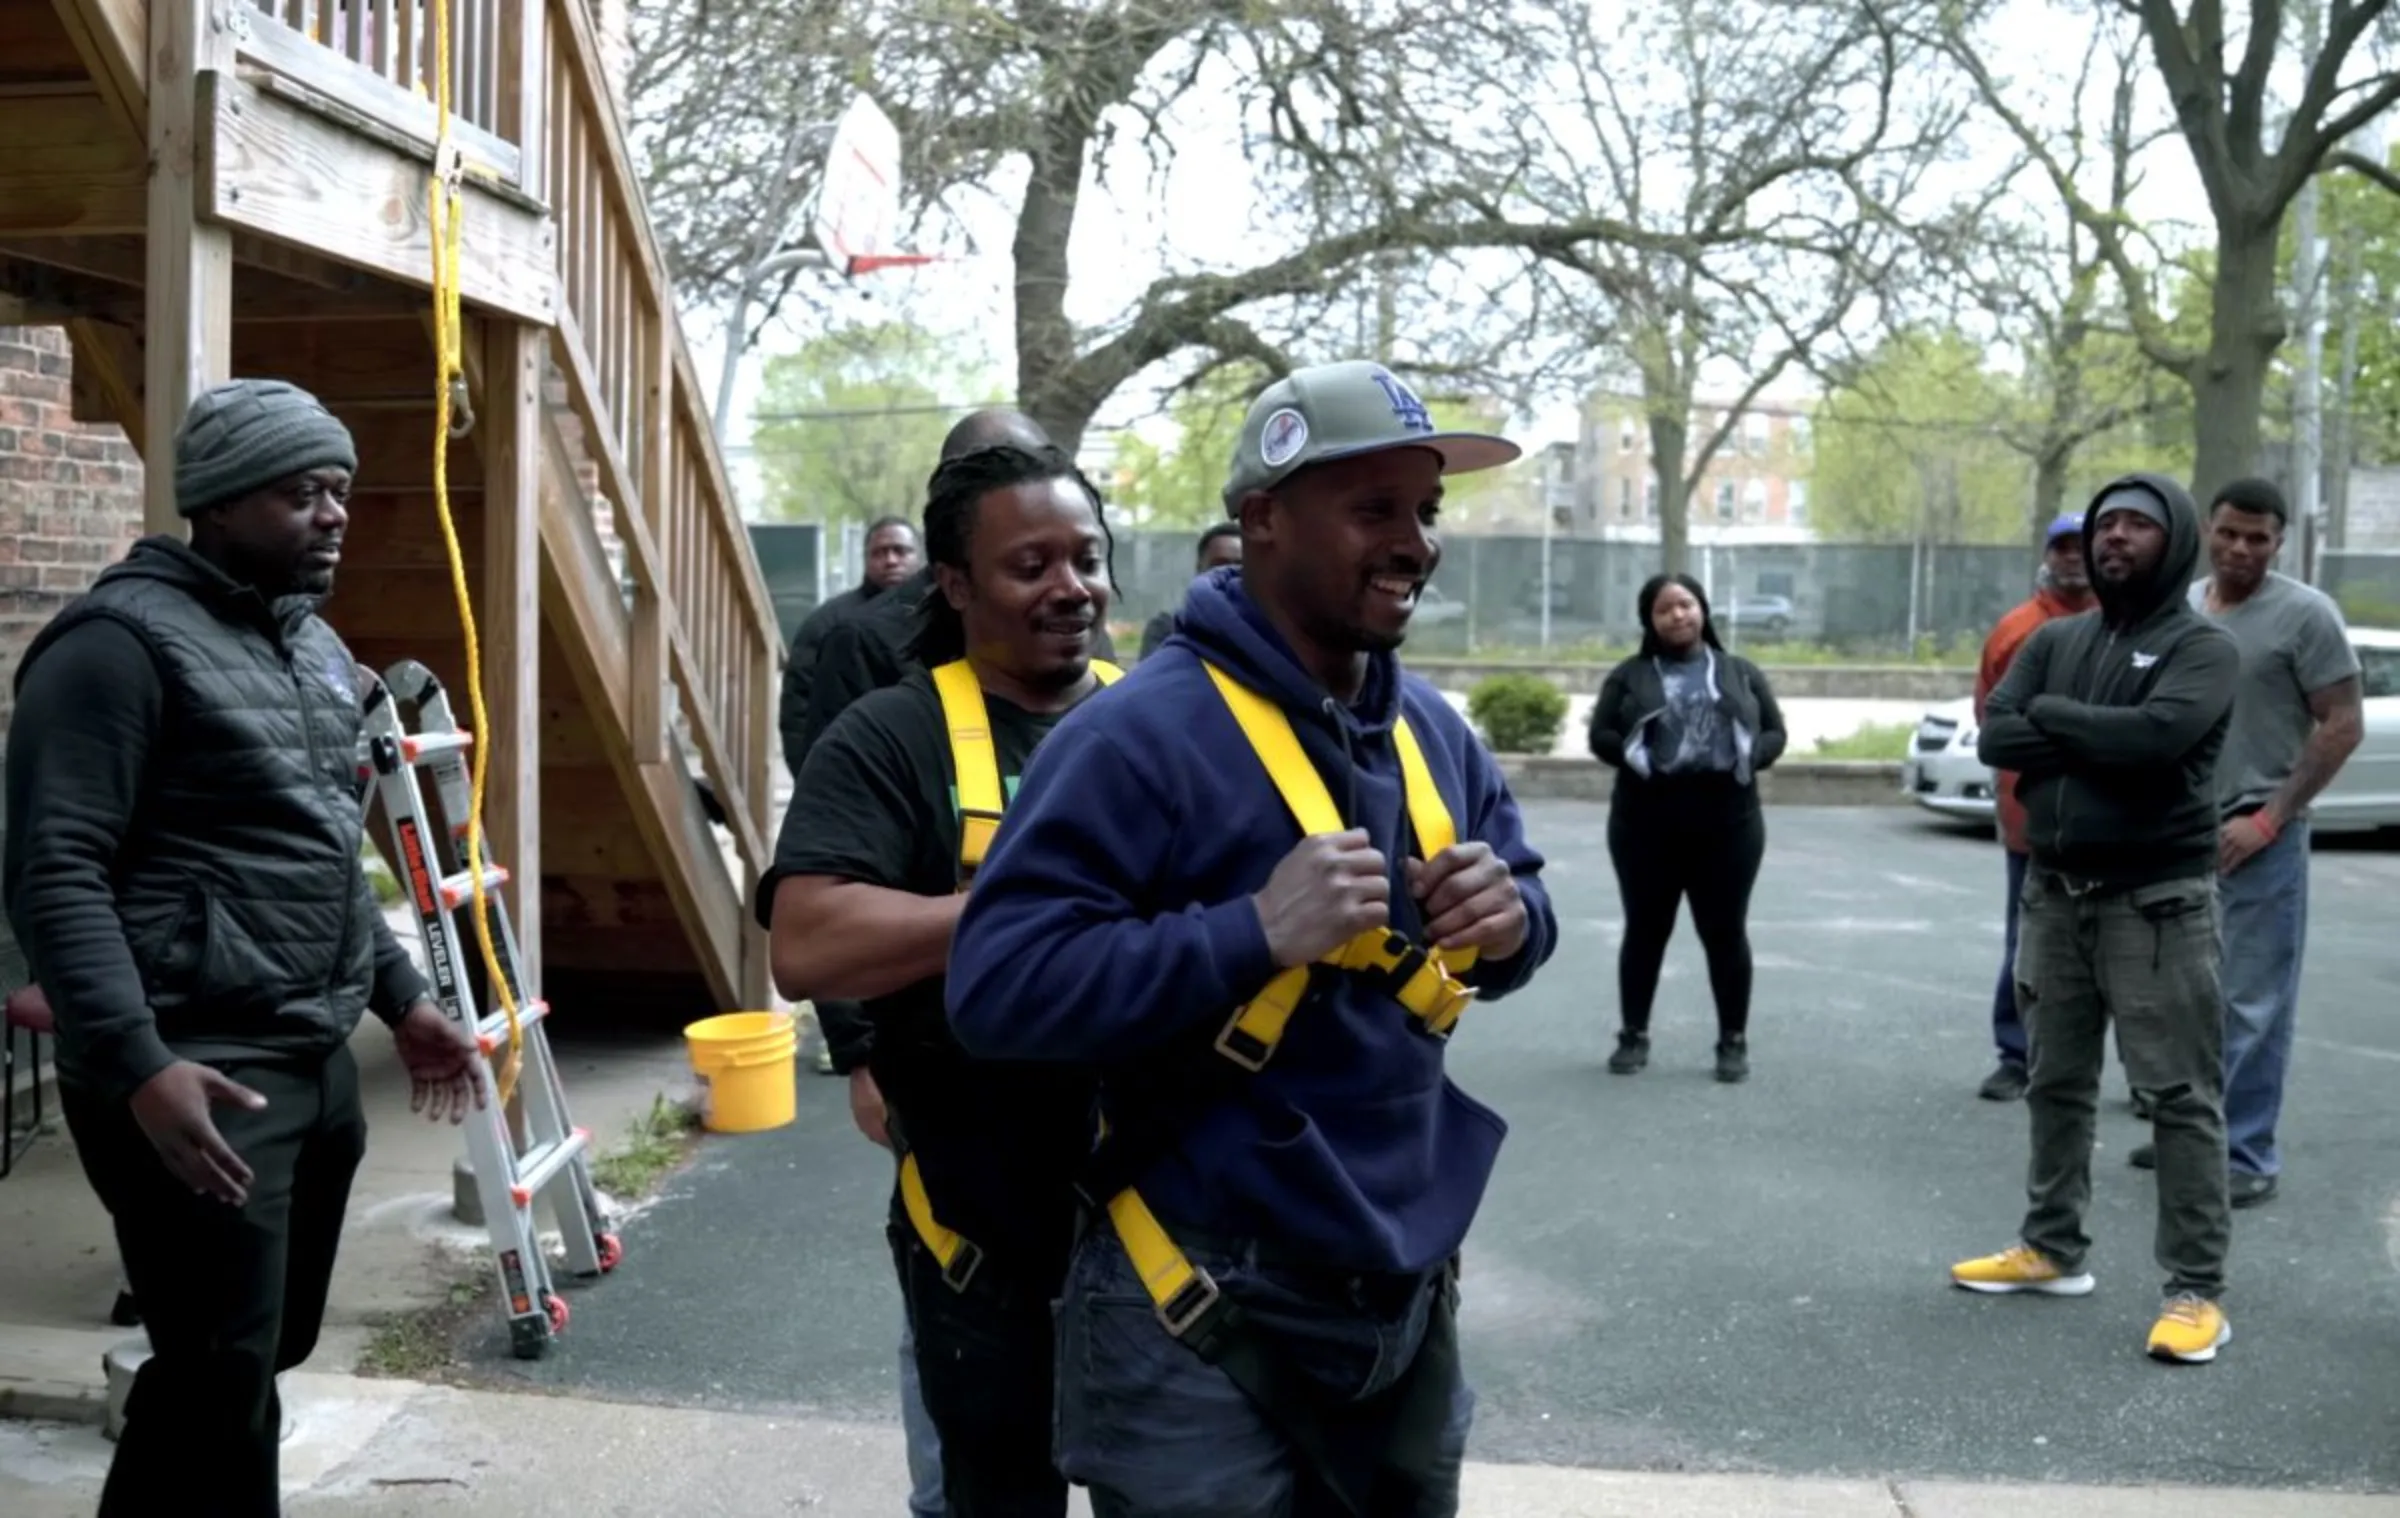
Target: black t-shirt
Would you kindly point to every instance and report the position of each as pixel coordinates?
(997, 1143)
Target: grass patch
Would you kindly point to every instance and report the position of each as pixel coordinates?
(655, 1143)
(379, 877)
(1876, 740)
(421, 1345)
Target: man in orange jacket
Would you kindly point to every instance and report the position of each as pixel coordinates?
(2062, 589)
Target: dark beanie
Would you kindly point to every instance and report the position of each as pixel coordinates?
(245, 435)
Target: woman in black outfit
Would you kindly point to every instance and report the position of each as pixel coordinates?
(1687, 727)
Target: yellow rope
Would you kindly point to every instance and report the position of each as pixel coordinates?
(444, 224)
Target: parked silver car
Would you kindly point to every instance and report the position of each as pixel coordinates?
(1942, 774)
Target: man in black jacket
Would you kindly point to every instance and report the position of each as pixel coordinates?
(1219, 546)
(183, 873)
(893, 554)
(2112, 720)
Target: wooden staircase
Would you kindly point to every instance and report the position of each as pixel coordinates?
(198, 189)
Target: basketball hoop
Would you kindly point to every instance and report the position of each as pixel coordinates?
(876, 263)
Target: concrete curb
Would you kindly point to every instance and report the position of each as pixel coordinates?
(1795, 782)
(1842, 682)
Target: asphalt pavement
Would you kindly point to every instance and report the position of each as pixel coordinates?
(1670, 1274)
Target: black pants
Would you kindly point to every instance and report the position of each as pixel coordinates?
(984, 1363)
(1664, 855)
(230, 1296)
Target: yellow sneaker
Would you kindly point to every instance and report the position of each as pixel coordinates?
(2190, 1329)
(2019, 1267)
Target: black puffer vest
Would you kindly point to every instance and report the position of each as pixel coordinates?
(238, 882)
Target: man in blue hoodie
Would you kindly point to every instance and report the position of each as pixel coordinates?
(1255, 884)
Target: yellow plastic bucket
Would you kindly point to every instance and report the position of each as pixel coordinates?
(747, 1063)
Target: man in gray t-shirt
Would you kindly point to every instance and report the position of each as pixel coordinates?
(2296, 717)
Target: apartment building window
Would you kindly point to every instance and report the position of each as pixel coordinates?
(1795, 496)
(1627, 436)
(1625, 497)
(1650, 498)
(1754, 501)
(1754, 435)
(1724, 500)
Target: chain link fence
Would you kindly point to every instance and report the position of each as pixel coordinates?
(1858, 600)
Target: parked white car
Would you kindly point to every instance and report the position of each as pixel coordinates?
(1943, 775)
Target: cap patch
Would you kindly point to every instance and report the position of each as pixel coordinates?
(1281, 440)
(1405, 405)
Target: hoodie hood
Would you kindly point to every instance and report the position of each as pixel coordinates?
(172, 561)
(1232, 631)
(2132, 604)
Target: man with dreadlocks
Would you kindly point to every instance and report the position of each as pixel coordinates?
(1257, 885)
(895, 806)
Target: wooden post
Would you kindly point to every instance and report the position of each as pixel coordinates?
(189, 294)
(522, 78)
(654, 604)
(510, 622)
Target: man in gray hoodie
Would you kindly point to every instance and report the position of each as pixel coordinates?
(2112, 720)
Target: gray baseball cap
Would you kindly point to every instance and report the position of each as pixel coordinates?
(1340, 411)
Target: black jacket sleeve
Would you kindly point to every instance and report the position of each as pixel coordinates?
(849, 1033)
(2192, 693)
(88, 716)
(399, 984)
(2009, 739)
(1771, 736)
(1607, 734)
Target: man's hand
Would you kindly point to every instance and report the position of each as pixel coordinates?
(867, 1109)
(172, 1109)
(1328, 890)
(2238, 841)
(441, 1063)
(1470, 900)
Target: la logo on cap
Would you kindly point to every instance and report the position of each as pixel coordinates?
(1281, 440)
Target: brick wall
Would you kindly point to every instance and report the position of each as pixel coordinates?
(70, 494)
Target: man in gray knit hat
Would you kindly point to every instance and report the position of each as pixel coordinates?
(183, 874)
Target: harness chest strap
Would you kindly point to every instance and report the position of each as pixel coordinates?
(1422, 980)
(973, 759)
(976, 764)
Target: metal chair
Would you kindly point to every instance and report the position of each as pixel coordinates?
(28, 1013)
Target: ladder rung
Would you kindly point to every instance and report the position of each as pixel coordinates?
(461, 886)
(429, 746)
(492, 1036)
(540, 1166)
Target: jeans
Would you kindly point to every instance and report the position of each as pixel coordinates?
(2008, 1029)
(2145, 958)
(2265, 905)
(1156, 1432)
(983, 1367)
(924, 1442)
(230, 1296)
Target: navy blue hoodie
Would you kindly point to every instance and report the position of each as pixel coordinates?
(1112, 921)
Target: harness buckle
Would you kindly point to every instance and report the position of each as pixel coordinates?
(963, 1264)
(1184, 1311)
(1242, 1046)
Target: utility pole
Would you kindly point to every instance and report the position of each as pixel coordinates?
(2307, 414)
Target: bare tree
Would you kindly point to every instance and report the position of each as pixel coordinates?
(1759, 150)
(1071, 92)
(2250, 167)
(2045, 284)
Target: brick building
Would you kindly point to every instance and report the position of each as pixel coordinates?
(1756, 483)
(70, 494)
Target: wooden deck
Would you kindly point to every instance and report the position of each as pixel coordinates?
(199, 189)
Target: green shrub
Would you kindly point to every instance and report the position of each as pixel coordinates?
(1875, 740)
(1519, 714)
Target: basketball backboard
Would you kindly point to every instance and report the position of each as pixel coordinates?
(858, 200)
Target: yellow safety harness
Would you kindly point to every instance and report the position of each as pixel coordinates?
(975, 764)
(1423, 980)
